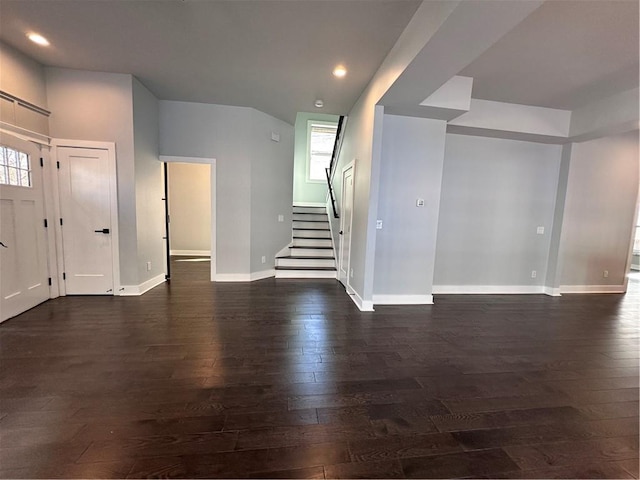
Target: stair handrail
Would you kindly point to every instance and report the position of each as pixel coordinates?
(330, 171)
(331, 194)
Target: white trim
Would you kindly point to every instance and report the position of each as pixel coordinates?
(305, 274)
(552, 292)
(308, 204)
(110, 147)
(144, 287)
(363, 306)
(26, 136)
(592, 289)
(233, 277)
(403, 299)
(352, 165)
(310, 122)
(190, 253)
(178, 159)
(262, 274)
(487, 289)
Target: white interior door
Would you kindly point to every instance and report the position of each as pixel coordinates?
(345, 225)
(23, 252)
(85, 208)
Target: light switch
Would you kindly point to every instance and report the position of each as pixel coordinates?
(281, 218)
(378, 224)
(540, 231)
(275, 136)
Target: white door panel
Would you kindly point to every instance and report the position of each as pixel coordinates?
(23, 259)
(85, 204)
(345, 225)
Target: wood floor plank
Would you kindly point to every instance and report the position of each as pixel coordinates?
(288, 379)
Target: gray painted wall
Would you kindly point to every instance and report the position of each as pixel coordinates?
(149, 184)
(303, 190)
(22, 76)
(599, 216)
(239, 138)
(271, 189)
(99, 107)
(411, 168)
(495, 193)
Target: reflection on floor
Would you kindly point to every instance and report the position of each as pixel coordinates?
(287, 379)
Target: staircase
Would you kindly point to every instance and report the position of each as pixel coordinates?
(310, 254)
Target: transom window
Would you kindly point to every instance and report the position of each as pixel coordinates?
(322, 136)
(15, 167)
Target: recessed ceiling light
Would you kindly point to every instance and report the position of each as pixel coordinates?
(319, 103)
(37, 38)
(340, 71)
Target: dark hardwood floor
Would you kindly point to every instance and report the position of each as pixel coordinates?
(287, 379)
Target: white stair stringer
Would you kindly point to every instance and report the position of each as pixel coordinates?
(310, 253)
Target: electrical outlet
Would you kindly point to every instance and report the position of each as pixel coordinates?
(264, 259)
(540, 230)
(351, 273)
(148, 266)
(378, 224)
(605, 274)
(534, 274)
(420, 202)
(281, 218)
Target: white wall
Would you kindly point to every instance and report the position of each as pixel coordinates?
(411, 168)
(303, 190)
(601, 199)
(22, 76)
(99, 107)
(495, 193)
(149, 185)
(190, 206)
(271, 189)
(239, 138)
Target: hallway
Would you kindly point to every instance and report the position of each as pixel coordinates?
(285, 378)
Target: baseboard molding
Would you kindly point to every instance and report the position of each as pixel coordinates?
(403, 299)
(144, 287)
(191, 253)
(244, 277)
(308, 204)
(487, 289)
(363, 306)
(552, 292)
(263, 274)
(592, 289)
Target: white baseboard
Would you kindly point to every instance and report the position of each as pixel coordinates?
(635, 267)
(308, 204)
(191, 253)
(487, 289)
(592, 289)
(263, 274)
(361, 304)
(144, 287)
(244, 277)
(552, 292)
(403, 299)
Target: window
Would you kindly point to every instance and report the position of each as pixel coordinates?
(14, 168)
(321, 139)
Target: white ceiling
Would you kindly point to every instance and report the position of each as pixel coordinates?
(564, 55)
(273, 55)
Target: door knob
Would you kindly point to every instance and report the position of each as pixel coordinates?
(340, 232)
(104, 230)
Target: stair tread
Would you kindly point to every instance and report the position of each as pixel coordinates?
(303, 257)
(306, 268)
(313, 248)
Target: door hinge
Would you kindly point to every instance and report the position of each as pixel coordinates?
(46, 224)
(64, 276)
(61, 222)
(41, 162)
(49, 281)
(58, 165)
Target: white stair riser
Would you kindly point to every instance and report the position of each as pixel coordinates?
(311, 225)
(307, 217)
(305, 274)
(311, 252)
(305, 262)
(317, 210)
(312, 233)
(311, 242)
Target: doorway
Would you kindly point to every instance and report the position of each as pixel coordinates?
(190, 209)
(345, 224)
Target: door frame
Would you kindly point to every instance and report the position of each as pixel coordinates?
(110, 147)
(207, 161)
(350, 165)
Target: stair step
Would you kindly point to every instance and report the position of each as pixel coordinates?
(321, 252)
(310, 217)
(307, 233)
(305, 262)
(316, 210)
(305, 273)
(307, 242)
(297, 224)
